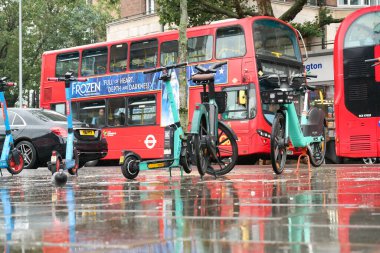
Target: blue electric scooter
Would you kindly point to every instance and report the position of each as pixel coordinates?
(71, 163)
(11, 158)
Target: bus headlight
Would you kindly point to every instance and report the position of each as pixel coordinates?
(263, 133)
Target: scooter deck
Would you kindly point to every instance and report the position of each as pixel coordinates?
(156, 164)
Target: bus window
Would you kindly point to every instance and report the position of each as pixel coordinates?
(67, 62)
(118, 58)
(230, 42)
(199, 48)
(236, 103)
(365, 31)
(61, 107)
(169, 52)
(143, 54)
(142, 110)
(92, 112)
(272, 38)
(252, 101)
(116, 112)
(94, 61)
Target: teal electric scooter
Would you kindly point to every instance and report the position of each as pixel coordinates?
(11, 158)
(179, 157)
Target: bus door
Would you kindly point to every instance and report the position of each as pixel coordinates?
(357, 85)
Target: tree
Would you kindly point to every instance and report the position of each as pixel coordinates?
(47, 25)
(183, 58)
(204, 11)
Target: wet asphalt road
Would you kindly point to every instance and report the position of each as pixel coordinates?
(331, 209)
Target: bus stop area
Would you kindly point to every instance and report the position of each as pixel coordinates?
(330, 209)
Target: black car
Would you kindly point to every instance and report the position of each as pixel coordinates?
(37, 132)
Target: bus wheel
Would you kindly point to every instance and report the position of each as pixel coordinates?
(277, 144)
(369, 160)
(130, 167)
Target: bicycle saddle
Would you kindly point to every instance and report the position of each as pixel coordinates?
(202, 77)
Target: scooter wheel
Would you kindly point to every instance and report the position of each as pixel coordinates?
(59, 178)
(13, 167)
(74, 171)
(130, 167)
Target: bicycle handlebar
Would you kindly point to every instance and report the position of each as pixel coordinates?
(173, 66)
(373, 60)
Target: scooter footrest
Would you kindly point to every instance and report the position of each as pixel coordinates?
(159, 163)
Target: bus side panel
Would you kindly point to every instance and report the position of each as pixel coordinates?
(50, 91)
(147, 141)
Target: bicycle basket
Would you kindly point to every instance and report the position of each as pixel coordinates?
(220, 99)
(278, 97)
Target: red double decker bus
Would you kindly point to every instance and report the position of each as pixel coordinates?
(357, 85)
(132, 108)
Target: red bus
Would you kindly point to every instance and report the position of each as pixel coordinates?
(357, 85)
(131, 109)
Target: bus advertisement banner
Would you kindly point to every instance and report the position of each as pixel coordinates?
(116, 84)
(133, 82)
(221, 76)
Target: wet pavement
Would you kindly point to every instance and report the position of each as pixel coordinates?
(331, 209)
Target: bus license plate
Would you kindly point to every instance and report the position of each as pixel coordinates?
(87, 132)
(121, 160)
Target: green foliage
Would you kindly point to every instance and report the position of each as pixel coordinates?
(203, 11)
(47, 25)
(308, 29)
(315, 28)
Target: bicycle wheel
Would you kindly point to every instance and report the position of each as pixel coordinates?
(202, 155)
(317, 151)
(277, 143)
(226, 150)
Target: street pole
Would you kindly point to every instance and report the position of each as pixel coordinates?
(20, 52)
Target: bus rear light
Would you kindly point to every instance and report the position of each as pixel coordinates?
(59, 131)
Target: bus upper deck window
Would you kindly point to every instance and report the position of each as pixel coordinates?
(94, 61)
(118, 58)
(143, 54)
(169, 53)
(230, 42)
(67, 62)
(199, 48)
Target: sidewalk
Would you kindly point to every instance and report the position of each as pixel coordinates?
(332, 209)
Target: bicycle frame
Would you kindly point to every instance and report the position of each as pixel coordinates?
(210, 115)
(293, 127)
